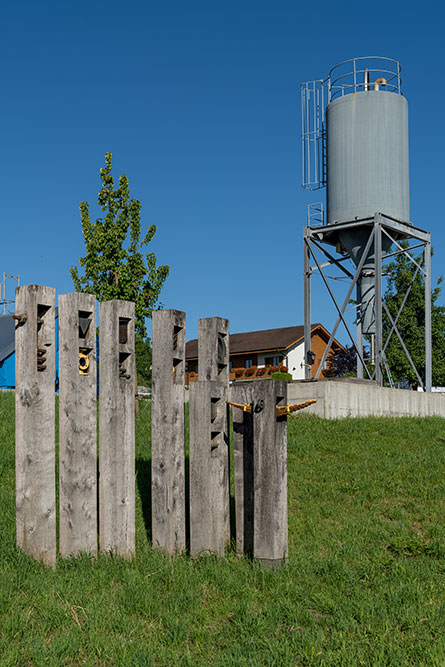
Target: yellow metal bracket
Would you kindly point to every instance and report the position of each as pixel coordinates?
(287, 409)
(245, 407)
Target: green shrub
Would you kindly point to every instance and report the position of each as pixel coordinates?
(281, 376)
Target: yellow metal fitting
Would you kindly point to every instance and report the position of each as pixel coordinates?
(287, 409)
(245, 407)
(84, 363)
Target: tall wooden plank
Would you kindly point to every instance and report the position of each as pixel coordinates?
(77, 424)
(213, 349)
(167, 440)
(261, 493)
(209, 443)
(35, 422)
(116, 428)
(214, 365)
(243, 442)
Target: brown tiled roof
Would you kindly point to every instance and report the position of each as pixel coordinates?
(268, 340)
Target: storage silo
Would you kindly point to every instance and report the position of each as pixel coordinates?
(364, 135)
(355, 142)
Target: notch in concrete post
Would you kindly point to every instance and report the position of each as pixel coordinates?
(35, 421)
(117, 369)
(77, 424)
(167, 431)
(260, 453)
(209, 441)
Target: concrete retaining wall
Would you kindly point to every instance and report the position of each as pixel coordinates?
(337, 399)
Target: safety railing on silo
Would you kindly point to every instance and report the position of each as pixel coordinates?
(366, 73)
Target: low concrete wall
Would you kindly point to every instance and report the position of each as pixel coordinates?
(359, 399)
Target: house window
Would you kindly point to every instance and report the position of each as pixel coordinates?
(272, 361)
(230, 365)
(249, 363)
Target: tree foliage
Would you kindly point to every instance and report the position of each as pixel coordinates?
(115, 266)
(411, 323)
(342, 362)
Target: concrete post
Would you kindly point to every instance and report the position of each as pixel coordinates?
(77, 424)
(167, 439)
(260, 452)
(116, 427)
(35, 422)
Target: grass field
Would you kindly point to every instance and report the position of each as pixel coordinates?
(364, 585)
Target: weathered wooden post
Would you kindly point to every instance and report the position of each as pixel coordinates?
(260, 458)
(77, 424)
(116, 427)
(209, 441)
(167, 431)
(35, 421)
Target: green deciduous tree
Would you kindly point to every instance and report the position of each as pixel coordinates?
(411, 323)
(115, 265)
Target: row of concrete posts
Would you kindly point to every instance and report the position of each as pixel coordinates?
(99, 500)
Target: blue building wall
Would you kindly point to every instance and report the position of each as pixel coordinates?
(7, 372)
(7, 367)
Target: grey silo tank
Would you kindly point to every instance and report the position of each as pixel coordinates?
(367, 156)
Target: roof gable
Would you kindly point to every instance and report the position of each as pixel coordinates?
(267, 340)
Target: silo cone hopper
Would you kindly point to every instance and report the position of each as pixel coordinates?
(354, 242)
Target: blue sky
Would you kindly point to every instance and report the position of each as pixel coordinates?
(199, 104)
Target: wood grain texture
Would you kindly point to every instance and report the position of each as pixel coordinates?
(35, 422)
(77, 427)
(167, 440)
(116, 428)
(209, 479)
(260, 459)
(213, 349)
(214, 366)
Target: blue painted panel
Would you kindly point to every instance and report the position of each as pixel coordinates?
(7, 368)
(7, 373)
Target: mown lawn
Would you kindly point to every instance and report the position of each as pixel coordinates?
(364, 585)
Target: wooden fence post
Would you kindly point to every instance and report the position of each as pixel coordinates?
(116, 427)
(77, 424)
(260, 458)
(167, 441)
(35, 421)
(209, 441)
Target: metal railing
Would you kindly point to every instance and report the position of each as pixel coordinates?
(365, 73)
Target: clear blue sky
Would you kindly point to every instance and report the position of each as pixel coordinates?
(199, 104)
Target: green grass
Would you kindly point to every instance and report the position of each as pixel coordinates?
(365, 582)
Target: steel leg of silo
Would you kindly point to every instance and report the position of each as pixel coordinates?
(307, 304)
(428, 351)
(359, 334)
(378, 297)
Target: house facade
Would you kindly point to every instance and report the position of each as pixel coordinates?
(256, 354)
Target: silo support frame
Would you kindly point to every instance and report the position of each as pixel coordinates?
(316, 237)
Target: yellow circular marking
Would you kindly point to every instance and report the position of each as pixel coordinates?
(84, 363)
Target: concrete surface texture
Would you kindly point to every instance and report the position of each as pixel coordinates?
(341, 398)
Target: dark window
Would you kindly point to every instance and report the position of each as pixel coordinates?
(249, 363)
